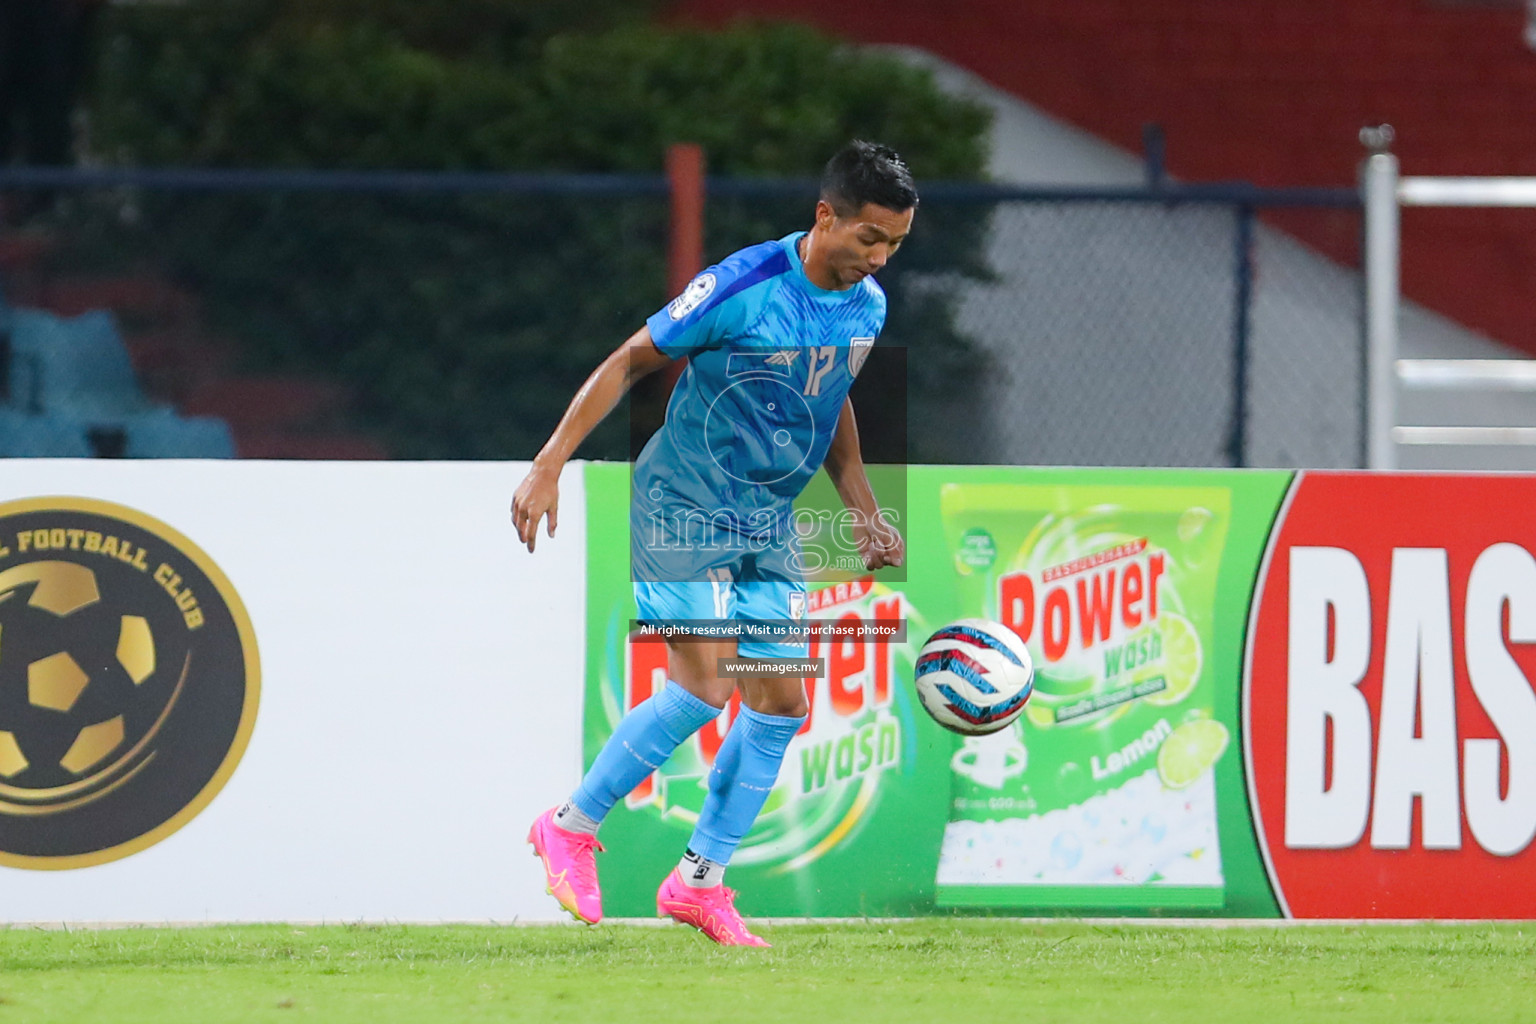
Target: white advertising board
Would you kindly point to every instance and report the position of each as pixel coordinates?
(419, 697)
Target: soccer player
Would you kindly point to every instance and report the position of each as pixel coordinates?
(774, 336)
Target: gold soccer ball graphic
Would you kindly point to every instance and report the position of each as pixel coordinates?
(83, 688)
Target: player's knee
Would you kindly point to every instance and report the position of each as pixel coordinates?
(780, 705)
(716, 692)
(794, 709)
(705, 685)
(695, 667)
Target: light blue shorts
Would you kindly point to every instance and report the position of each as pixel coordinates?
(731, 577)
(753, 599)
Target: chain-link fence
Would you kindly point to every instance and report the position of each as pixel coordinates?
(1306, 352)
(1127, 329)
(453, 316)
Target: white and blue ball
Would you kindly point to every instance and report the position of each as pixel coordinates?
(974, 676)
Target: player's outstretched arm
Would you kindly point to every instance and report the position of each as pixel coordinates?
(539, 493)
(879, 542)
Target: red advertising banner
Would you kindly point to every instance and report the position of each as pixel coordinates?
(1390, 722)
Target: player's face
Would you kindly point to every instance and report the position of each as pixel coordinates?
(860, 244)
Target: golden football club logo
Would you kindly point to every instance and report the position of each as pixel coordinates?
(129, 682)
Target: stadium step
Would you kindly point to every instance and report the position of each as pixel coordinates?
(172, 363)
(286, 445)
(21, 257)
(263, 403)
(136, 299)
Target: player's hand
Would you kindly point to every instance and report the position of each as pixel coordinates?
(878, 542)
(537, 496)
(895, 547)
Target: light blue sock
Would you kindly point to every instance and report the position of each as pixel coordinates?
(642, 743)
(745, 770)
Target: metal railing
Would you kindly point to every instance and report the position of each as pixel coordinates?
(1469, 375)
(1385, 193)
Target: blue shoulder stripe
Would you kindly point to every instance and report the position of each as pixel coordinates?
(777, 263)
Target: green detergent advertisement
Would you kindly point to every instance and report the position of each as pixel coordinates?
(1104, 791)
(1119, 790)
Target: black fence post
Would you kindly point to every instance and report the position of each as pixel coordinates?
(1237, 445)
(5, 361)
(1154, 154)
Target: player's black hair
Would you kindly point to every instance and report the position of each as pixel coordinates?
(865, 172)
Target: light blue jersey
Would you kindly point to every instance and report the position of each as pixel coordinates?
(771, 357)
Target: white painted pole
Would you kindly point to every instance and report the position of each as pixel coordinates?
(1378, 188)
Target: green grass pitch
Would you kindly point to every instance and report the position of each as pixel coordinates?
(964, 970)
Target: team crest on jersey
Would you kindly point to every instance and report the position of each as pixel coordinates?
(858, 351)
(697, 291)
(797, 605)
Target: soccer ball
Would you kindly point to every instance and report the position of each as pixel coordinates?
(973, 676)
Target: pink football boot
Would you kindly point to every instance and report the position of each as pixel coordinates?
(570, 867)
(711, 911)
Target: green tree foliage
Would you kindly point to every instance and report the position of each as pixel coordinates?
(467, 321)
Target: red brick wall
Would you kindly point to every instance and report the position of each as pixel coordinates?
(1269, 91)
